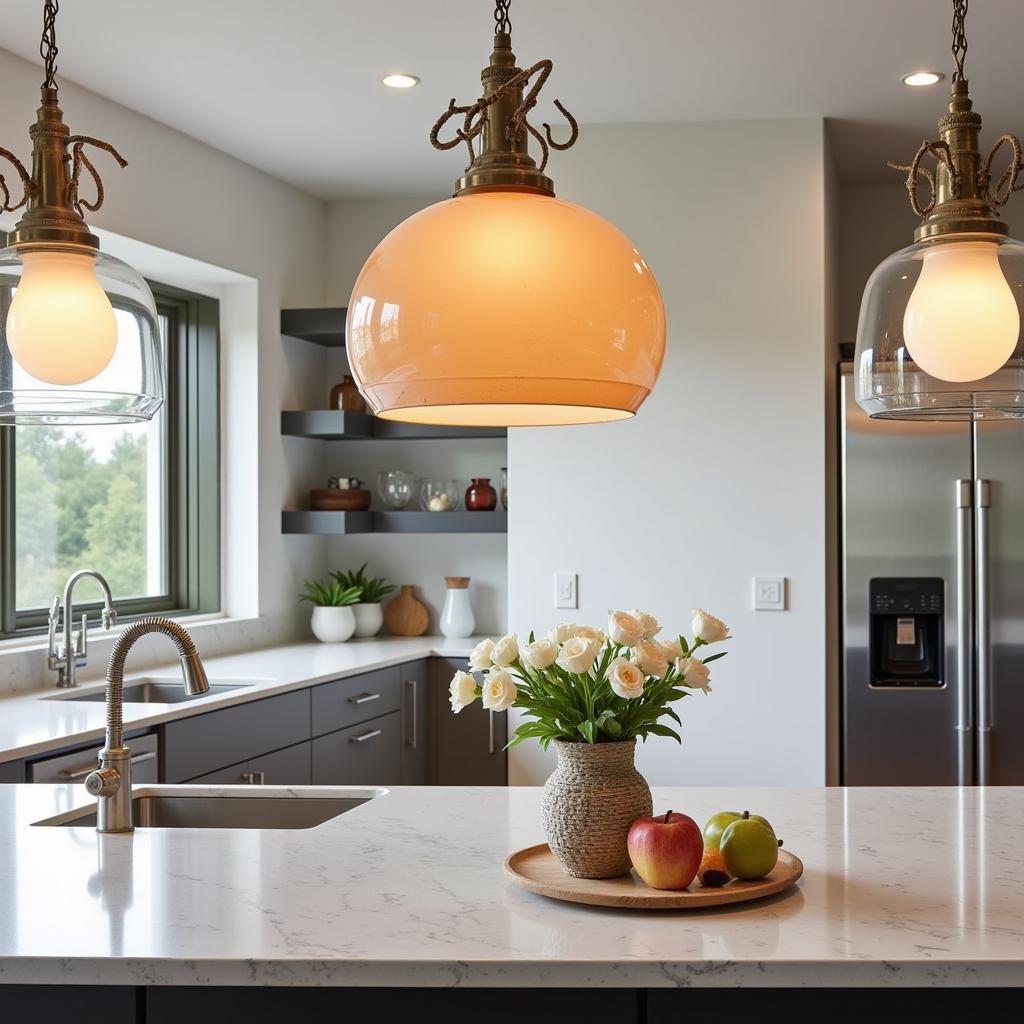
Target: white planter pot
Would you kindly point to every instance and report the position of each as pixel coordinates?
(333, 625)
(369, 618)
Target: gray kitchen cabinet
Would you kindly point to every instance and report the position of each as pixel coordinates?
(288, 767)
(362, 755)
(468, 748)
(191, 747)
(415, 724)
(12, 771)
(348, 701)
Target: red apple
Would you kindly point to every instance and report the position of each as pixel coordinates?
(666, 851)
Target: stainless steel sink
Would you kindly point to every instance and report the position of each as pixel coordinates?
(151, 691)
(190, 808)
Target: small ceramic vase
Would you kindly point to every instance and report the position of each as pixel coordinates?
(481, 496)
(457, 619)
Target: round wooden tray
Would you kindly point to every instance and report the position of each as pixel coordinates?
(536, 869)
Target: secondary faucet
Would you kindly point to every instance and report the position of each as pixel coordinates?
(64, 655)
(111, 783)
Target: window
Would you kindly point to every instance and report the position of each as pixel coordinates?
(139, 503)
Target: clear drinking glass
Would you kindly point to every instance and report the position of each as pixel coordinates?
(395, 488)
(504, 487)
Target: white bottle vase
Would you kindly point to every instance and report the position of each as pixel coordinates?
(333, 625)
(457, 618)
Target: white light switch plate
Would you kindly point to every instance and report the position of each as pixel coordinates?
(565, 590)
(769, 593)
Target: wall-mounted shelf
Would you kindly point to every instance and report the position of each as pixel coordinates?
(334, 523)
(322, 326)
(333, 425)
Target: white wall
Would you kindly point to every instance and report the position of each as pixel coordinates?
(179, 195)
(353, 230)
(722, 475)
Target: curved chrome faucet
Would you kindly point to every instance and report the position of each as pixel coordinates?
(111, 783)
(63, 657)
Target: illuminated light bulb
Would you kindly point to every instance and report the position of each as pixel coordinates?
(961, 322)
(61, 327)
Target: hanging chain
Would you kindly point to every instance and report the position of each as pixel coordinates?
(502, 22)
(959, 38)
(48, 44)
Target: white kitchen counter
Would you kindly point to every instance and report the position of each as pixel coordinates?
(917, 887)
(31, 722)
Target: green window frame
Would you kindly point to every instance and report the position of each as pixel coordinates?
(191, 485)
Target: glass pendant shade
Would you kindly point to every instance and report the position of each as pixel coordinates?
(79, 339)
(505, 308)
(939, 335)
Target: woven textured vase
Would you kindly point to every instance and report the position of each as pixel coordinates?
(590, 800)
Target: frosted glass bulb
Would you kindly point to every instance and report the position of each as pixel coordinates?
(61, 327)
(961, 322)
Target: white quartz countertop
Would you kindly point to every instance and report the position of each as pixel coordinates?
(35, 721)
(901, 887)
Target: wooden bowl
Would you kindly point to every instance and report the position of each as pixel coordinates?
(332, 499)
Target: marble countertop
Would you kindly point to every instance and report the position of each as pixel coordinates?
(902, 887)
(35, 721)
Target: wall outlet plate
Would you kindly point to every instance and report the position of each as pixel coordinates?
(566, 595)
(769, 593)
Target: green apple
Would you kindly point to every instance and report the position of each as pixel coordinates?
(763, 821)
(716, 825)
(749, 848)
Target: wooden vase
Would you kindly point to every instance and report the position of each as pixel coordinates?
(405, 615)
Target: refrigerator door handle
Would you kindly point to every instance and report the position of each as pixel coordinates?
(964, 496)
(982, 504)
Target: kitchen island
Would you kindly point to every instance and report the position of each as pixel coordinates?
(902, 887)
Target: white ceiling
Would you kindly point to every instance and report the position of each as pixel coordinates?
(293, 88)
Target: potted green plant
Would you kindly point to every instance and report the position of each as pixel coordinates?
(592, 694)
(372, 590)
(333, 621)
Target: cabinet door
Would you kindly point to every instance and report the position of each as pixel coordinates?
(197, 746)
(415, 727)
(288, 767)
(369, 754)
(469, 748)
(12, 771)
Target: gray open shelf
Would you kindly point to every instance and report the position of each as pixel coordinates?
(394, 522)
(322, 326)
(334, 425)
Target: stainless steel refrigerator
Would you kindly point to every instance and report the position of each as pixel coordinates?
(932, 549)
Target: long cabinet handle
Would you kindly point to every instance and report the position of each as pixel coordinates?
(964, 640)
(363, 698)
(253, 778)
(365, 736)
(490, 732)
(81, 771)
(982, 504)
(415, 704)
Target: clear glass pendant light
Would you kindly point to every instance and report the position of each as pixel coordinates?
(505, 306)
(79, 341)
(939, 335)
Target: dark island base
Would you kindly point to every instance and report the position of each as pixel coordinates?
(98, 1004)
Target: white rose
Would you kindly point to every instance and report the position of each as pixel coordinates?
(462, 690)
(499, 691)
(624, 629)
(672, 649)
(589, 633)
(540, 654)
(578, 654)
(505, 650)
(480, 658)
(651, 658)
(562, 632)
(648, 623)
(626, 679)
(695, 673)
(707, 628)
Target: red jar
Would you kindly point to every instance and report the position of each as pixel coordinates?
(481, 496)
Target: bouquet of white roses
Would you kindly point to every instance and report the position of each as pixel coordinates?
(582, 685)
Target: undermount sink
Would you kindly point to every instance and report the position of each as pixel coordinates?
(150, 691)
(262, 809)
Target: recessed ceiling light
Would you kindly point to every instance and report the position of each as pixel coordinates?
(919, 78)
(400, 81)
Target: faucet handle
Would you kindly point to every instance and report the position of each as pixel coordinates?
(53, 646)
(109, 618)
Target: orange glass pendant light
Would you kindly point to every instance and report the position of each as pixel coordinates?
(505, 306)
